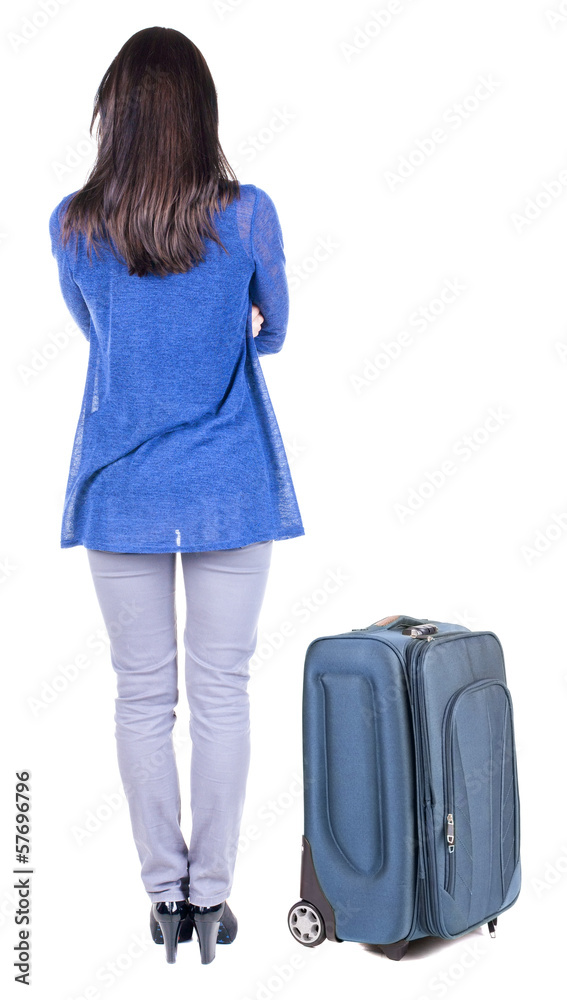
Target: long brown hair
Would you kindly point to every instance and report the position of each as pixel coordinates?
(160, 172)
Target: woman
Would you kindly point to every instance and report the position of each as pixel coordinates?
(177, 449)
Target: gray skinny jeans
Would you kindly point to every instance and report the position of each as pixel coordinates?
(224, 591)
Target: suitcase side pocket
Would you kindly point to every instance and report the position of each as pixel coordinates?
(481, 833)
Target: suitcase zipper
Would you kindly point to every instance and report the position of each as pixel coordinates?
(425, 823)
(416, 677)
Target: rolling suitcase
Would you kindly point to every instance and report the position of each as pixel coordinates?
(411, 804)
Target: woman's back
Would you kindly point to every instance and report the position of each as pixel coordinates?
(177, 445)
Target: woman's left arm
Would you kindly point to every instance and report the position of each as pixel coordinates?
(72, 294)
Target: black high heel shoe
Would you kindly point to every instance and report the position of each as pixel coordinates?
(214, 924)
(228, 926)
(170, 923)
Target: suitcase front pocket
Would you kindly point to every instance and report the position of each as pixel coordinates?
(480, 799)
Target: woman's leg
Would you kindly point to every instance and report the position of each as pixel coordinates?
(136, 593)
(224, 591)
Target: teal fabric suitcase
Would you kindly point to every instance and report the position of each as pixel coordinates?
(411, 800)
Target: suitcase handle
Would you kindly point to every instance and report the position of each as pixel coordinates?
(397, 622)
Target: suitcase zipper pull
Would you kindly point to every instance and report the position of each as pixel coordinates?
(450, 833)
(425, 631)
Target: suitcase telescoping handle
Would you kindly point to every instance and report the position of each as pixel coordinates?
(408, 626)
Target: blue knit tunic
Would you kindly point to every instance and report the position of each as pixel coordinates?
(177, 447)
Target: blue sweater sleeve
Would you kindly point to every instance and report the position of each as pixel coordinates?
(71, 292)
(268, 285)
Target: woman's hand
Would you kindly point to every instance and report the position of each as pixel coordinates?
(257, 320)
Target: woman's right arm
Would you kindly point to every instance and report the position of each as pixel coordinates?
(268, 285)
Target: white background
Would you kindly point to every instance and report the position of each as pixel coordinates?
(485, 547)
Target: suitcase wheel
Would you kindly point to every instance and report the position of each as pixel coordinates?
(306, 924)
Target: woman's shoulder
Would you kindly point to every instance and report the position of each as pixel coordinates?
(56, 214)
(247, 194)
(254, 193)
(259, 202)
